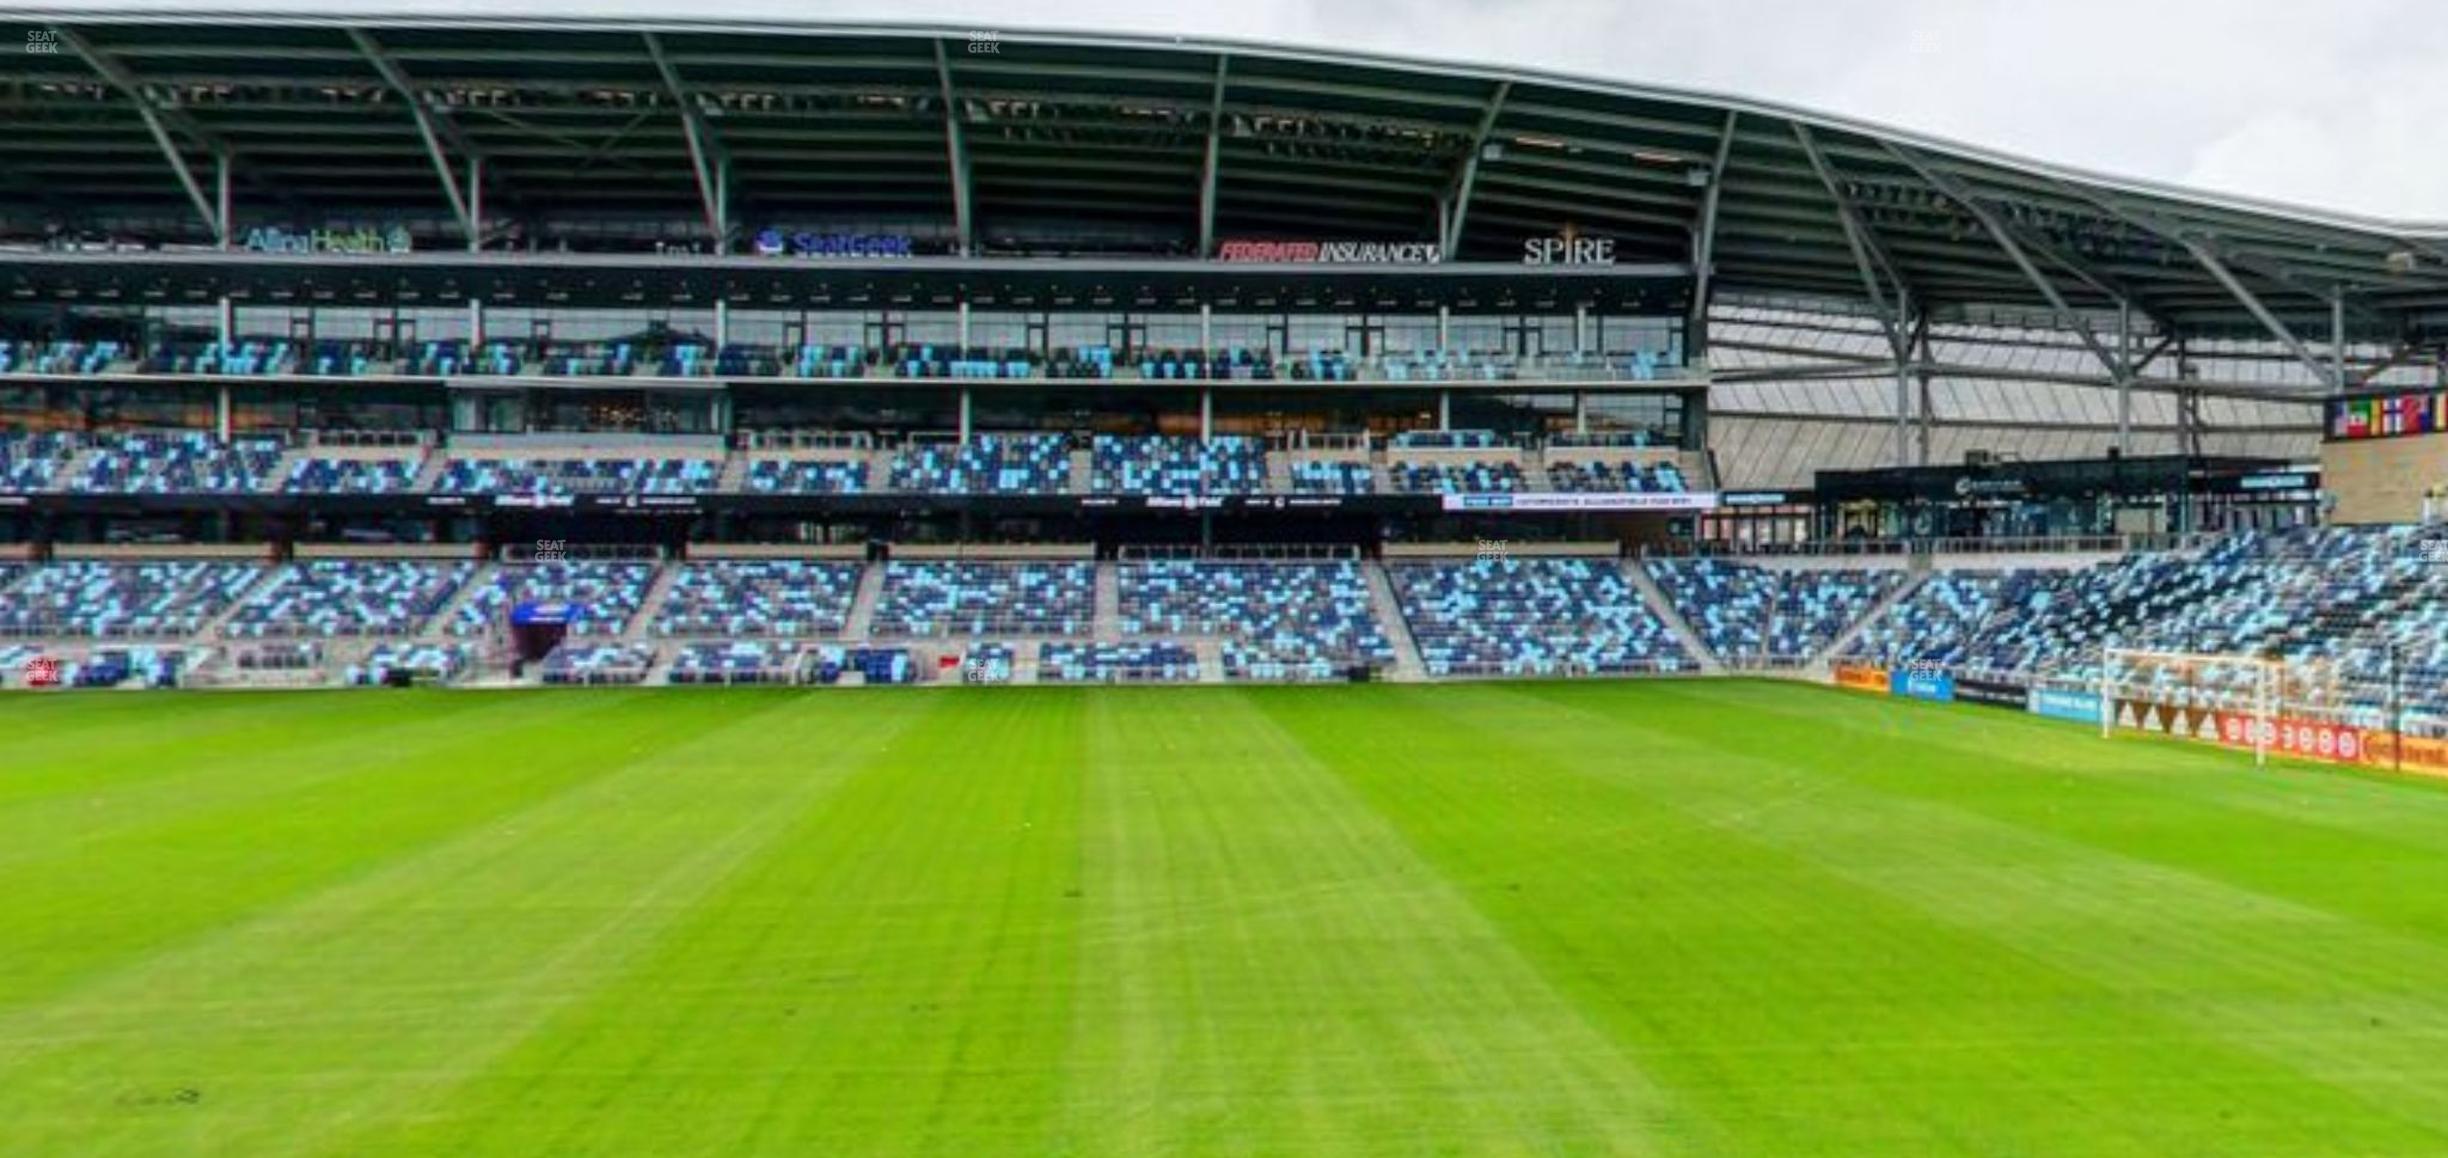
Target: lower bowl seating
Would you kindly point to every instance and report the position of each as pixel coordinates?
(1115, 663)
(746, 661)
(326, 598)
(1532, 617)
(999, 599)
(757, 598)
(442, 662)
(123, 600)
(1279, 621)
(1749, 614)
(603, 595)
(598, 664)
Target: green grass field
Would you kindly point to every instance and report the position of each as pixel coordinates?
(1669, 918)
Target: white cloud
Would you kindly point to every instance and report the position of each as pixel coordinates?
(2337, 104)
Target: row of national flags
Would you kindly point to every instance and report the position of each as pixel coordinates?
(2385, 417)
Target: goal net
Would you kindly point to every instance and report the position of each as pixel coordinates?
(2223, 699)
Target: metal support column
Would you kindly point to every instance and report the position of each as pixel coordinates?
(1444, 410)
(964, 416)
(2337, 339)
(1206, 327)
(963, 311)
(475, 200)
(2124, 377)
(1580, 412)
(1206, 413)
(226, 228)
(1903, 380)
(1921, 372)
(722, 323)
(1444, 327)
(476, 325)
(225, 319)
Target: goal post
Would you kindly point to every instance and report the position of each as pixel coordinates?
(2231, 699)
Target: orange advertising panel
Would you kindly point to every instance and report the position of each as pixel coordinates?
(2419, 755)
(1862, 677)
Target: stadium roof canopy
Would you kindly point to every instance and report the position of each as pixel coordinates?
(481, 122)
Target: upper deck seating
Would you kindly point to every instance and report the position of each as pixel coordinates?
(1163, 465)
(560, 476)
(988, 464)
(188, 462)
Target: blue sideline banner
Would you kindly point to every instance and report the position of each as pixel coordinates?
(2059, 704)
(1922, 684)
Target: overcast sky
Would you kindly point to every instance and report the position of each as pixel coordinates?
(2335, 103)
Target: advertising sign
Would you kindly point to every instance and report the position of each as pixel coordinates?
(273, 239)
(1992, 693)
(545, 613)
(1331, 252)
(1919, 682)
(2059, 704)
(1568, 250)
(776, 243)
(1863, 677)
(1580, 501)
(2416, 754)
(2302, 739)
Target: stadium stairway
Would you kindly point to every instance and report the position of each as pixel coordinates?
(209, 633)
(1388, 608)
(863, 604)
(734, 478)
(1638, 576)
(429, 476)
(1878, 611)
(79, 462)
(1210, 655)
(658, 590)
(1106, 623)
(433, 626)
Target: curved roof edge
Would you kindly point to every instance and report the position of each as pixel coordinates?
(2431, 231)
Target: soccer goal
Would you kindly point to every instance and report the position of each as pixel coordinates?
(2226, 699)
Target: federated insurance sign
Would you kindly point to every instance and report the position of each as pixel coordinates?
(1580, 501)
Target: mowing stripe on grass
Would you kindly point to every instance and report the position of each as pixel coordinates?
(1270, 969)
(1788, 993)
(2349, 1006)
(317, 1018)
(114, 878)
(889, 976)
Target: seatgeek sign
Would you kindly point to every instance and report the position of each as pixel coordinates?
(776, 243)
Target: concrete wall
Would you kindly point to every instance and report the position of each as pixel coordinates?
(2383, 480)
